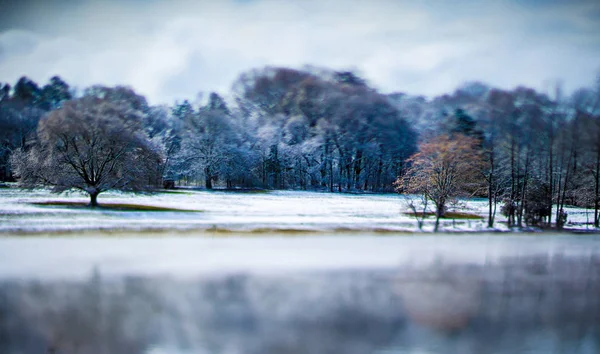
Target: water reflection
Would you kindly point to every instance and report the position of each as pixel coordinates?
(535, 304)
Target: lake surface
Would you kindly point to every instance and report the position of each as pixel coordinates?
(190, 292)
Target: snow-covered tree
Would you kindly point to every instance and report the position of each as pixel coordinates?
(209, 142)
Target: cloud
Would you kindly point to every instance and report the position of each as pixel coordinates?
(172, 50)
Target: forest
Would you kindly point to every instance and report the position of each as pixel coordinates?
(529, 153)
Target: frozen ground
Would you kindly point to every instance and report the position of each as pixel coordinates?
(226, 211)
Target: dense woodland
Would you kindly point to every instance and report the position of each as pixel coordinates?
(313, 129)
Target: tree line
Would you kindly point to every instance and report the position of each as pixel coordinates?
(529, 153)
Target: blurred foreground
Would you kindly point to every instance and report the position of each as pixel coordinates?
(534, 294)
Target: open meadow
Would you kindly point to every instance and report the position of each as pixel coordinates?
(256, 212)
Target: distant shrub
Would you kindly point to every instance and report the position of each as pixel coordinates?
(537, 206)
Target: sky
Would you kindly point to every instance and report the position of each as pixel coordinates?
(174, 49)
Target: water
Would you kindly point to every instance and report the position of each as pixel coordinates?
(325, 293)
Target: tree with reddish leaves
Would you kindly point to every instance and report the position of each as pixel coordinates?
(443, 169)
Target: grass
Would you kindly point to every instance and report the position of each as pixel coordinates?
(258, 231)
(449, 215)
(189, 190)
(173, 191)
(113, 206)
(243, 190)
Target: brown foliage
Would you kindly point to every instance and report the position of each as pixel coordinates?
(444, 168)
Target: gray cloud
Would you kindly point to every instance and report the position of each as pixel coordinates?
(171, 50)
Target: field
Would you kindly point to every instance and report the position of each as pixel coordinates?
(39, 211)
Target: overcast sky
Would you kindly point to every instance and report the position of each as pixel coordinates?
(173, 49)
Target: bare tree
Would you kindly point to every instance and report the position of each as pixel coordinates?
(443, 169)
(91, 144)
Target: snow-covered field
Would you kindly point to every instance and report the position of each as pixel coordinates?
(227, 211)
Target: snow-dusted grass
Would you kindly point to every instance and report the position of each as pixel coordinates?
(112, 206)
(223, 212)
(449, 215)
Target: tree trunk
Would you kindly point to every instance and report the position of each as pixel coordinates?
(437, 222)
(439, 212)
(523, 196)
(551, 175)
(379, 172)
(340, 172)
(357, 169)
(325, 160)
(331, 175)
(208, 179)
(94, 199)
(597, 191)
(348, 175)
(264, 173)
(491, 191)
(519, 197)
(558, 184)
(513, 192)
(561, 201)
(490, 201)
